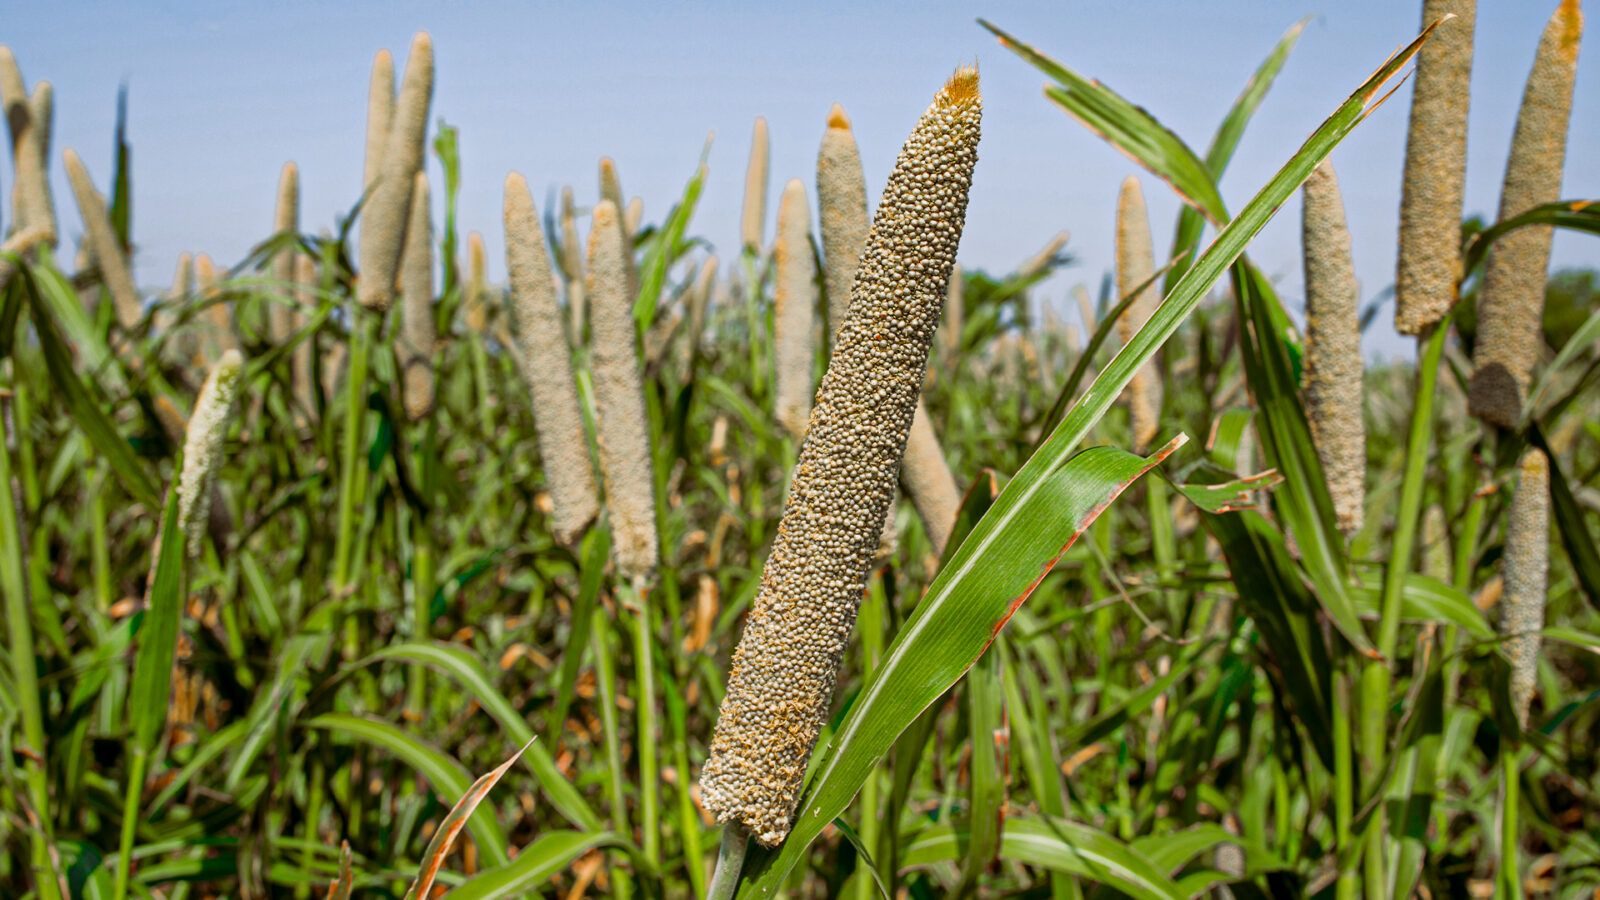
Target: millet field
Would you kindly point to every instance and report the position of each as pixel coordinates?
(804, 562)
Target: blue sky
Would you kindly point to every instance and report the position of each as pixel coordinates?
(221, 94)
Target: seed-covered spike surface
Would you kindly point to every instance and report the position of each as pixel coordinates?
(1435, 171)
(416, 310)
(380, 114)
(28, 119)
(102, 242)
(753, 217)
(1526, 572)
(202, 447)
(780, 685)
(1511, 301)
(1334, 370)
(842, 208)
(546, 364)
(1135, 265)
(795, 303)
(619, 400)
(388, 205)
(286, 219)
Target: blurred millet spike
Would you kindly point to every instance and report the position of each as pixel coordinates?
(1511, 301)
(546, 363)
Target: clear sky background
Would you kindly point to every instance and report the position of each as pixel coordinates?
(221, 94)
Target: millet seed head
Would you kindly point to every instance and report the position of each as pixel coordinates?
(28, 119)
(1136, 264)
(781, 681)
(1526, 566)
(619, 400)
(753, 217)
(416, 306)
(286, 219)
(794, 313)
(842, 208)
(546, 364)
(103, 244)
(388, 204)
(202, 447)
(1511, 302)
(1334, 370)
(380, 114)
(477, 292)
(925, 475)
(1431, 190)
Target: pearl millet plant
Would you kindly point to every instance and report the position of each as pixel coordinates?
(103, 244)
(1526, 569)
(794, 302)
(1511, 302)
(700, 302)
(1436, 170)
(571, 260)
(619, 400)
(754, 214)
(416, 306)
(219, 337)
(842, 208)
(1135, 266)
(475, 298)
(202, 447)
(782, 676)
(380, 113)
(388, 203)
(1334, 370)
(546, 364)
(280, 317)
(28, 119)
(925, 475)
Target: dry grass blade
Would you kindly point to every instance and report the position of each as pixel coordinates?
(454, 822)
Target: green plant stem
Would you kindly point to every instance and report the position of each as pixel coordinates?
(730, 859)
(350, 467)
(606, 699)
(100, 551)
(422, 574)
(647, 732)
(24, 671)
(422, 586)
(137, 765)
(1377, 674)
(1510, 881)
(1347, 887)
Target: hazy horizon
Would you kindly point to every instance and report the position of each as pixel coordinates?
(221, 96)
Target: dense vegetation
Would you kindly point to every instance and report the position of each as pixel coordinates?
(284, 567)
